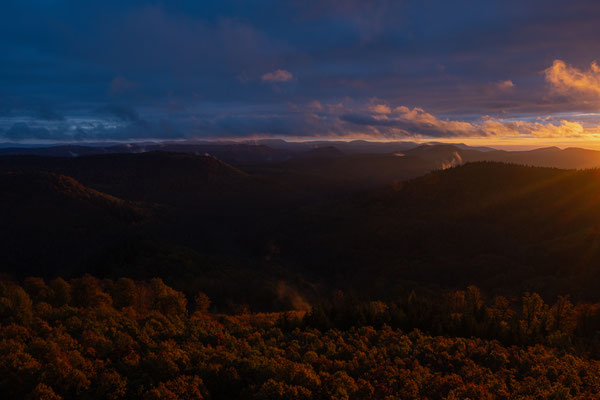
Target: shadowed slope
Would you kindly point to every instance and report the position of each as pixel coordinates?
(498, 225)
(178, 179)
(52, 221)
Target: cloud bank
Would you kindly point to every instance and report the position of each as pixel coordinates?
(312, 120)
(129, 70)
(568, 80)
(403, 122)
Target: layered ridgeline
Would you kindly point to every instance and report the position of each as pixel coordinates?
(507, 228)
(193, 220)
(181, 179)
(51, 221)
(276, 151)
(199, 200)
(380, 273)
(326, 167)
(498, 225)
(347, 173)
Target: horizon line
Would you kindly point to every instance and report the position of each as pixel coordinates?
(506, 145)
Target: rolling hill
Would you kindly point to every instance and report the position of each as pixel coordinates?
(328, 218)
(309, 170)
(335, 174)
(52, 223)
(178, 179)
(505, 227)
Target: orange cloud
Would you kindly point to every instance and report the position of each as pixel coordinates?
(566, 129)
(427, 122)
(315, 105)
(505, 85)
(415, 122)
(380, 109)
(568, 80)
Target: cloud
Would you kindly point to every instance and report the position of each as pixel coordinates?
(417, 123)
(406, 122)
(120, 85)
(380, 109)
(48, 114)
(368, 18)
(22, 131)
(564, 129)
(315, 105)
(505, 85)
(122, 113)
(570, 81)
(374, 50)
(279, 75)
(343, 121)
(91, 131)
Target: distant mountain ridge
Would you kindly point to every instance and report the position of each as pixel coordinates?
(274, 151)
(319, 170)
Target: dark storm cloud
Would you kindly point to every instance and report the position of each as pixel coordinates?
(22, 131)
(187, 68)
(123, 113)
(133, 131)
(48, 114)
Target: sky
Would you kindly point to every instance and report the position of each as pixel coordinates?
(514, 73)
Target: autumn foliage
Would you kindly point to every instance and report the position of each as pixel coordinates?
(90, 338)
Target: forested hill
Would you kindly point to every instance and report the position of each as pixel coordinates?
(279, 152)
(50, 222)
(502, 226)
(374, 294)
(317, 169)
(507, 228)
(179, 179)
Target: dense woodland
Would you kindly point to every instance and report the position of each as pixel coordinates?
(91, 338)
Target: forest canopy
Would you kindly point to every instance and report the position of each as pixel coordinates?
(125, 339)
